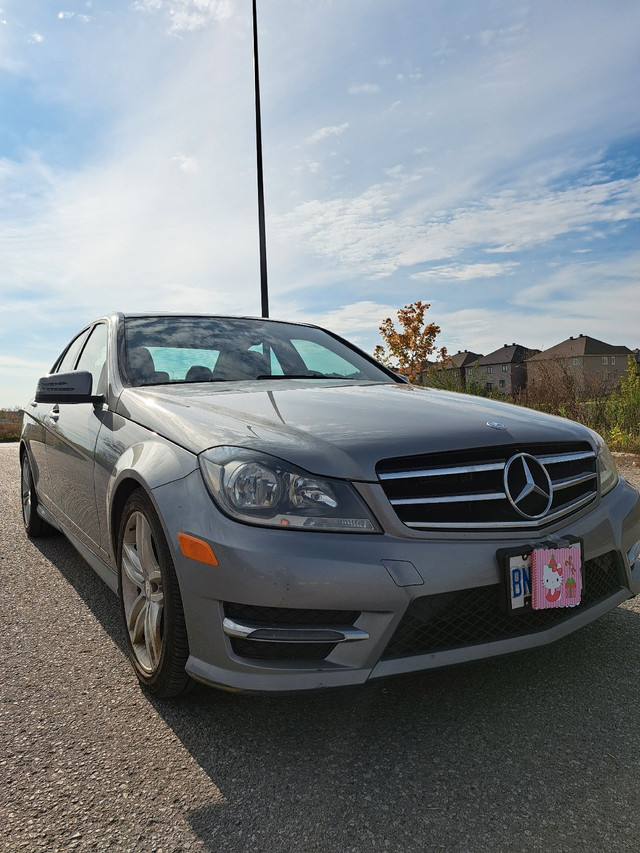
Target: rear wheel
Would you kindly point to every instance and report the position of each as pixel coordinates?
(150, 601)
(33, 524)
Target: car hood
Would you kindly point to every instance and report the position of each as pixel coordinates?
(338, 430)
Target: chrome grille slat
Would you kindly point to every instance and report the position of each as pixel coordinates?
(495, 496)
(441, 472)
(575, 481)
(508, 525)
(463, 491)
(566, 457)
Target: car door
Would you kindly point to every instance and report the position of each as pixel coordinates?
(40, 417)
(72, 432)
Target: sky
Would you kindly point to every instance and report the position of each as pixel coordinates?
(479, 155)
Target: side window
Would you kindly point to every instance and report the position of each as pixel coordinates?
(94, 358)
(68, 359)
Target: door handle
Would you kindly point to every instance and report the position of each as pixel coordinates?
(54, 414)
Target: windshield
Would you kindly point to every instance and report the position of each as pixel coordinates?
(161, 350)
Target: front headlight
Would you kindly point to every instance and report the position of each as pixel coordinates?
(260, 489)
(607, 471)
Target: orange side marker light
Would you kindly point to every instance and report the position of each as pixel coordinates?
(196, 549)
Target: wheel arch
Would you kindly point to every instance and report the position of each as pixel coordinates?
(23, 450)
(145, 466)
(125, 488)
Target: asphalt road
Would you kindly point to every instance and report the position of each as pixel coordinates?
(534, 752)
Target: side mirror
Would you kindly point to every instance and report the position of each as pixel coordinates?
(71, 387)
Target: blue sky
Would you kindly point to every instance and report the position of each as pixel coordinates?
(480, 155)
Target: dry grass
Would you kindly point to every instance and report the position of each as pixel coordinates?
(10, 424)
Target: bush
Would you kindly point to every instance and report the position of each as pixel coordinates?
(437, 376)
(623, 412)
(10, 424)
(590, 400)
(615, 414)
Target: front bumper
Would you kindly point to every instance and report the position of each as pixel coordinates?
(291, 610)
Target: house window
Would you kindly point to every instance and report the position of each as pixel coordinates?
(455, 374)
(613, 359)
(489, 386)
(576, 362)
(489, 369)
(505, 368)
(605, 359)
(502, 383)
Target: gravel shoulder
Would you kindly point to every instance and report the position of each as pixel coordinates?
(628, 465)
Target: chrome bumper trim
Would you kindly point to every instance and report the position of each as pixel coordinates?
(335, 634)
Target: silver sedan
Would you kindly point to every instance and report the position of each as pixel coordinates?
(278, 511)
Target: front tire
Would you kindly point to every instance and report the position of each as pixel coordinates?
(150, 601)
(35, 526)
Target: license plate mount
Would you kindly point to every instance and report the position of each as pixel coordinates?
(541, 577)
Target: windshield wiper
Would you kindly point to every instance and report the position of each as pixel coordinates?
(193, 381)
(311, 374)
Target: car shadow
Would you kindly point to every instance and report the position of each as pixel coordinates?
(87, 584)
(533, 747)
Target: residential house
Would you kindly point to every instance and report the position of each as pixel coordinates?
(585, 363)
(504, 370)
(456, 367)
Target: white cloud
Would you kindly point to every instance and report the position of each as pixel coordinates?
(480, 155)
(465, 272)
(350, 319)
(570, 300)
(577, 287)
(364, 89)
(371, 232)
(325, 132)
(189, 15)
(13, 363)
(186, 163)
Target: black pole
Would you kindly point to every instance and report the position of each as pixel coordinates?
(261, 221)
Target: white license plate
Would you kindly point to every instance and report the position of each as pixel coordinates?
(519, 578)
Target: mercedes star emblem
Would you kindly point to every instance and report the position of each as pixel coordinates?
(527, 485)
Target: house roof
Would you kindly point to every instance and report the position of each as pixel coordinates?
(461, 359)
(507, 354)
(580, 346)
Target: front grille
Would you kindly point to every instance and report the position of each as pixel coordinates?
(285, 617)
(436, 623)
(466, 490)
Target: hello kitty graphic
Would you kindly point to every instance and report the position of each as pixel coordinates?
(556, 577)
(552, 580)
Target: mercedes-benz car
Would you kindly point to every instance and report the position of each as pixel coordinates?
(278, 511)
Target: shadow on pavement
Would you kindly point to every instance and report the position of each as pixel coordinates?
(533, 751)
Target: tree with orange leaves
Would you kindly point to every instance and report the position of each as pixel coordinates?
(408, 347)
